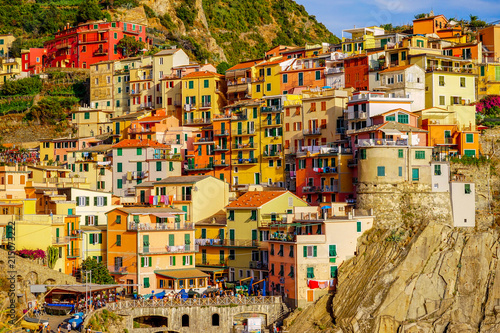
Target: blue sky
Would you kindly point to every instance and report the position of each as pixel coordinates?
(344, 14)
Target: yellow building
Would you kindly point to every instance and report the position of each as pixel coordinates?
(9, 68)
(361, 39)
(94, 242)
(448, 80)
(245, 216)
(12, 181)
(92, 164)
(203, 95)
(101, 85)
(267, 79)
(489, 79)
(399, 55)
(141, 88)
(6, 41)
(92, 122)
(121, 124)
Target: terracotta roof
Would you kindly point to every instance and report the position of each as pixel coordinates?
(177, 274)
(127, 116)
(430, 18)
(255, 199)
(129, 143)
(397, 68)
(268, 63)
(167, 52)
(151, 118)
(201, 74)
(243, 65)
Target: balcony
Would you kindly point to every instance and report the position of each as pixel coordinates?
(160, 226)
(227, 242)
(207, 166)
(336, 70)
(272, 154)
(204, 139)
(60, 240)
(198, 121)
(205, 105)
(245, 161)
(141, 130)
(115, 269)
(100, 52)
(449, 69)
(169, 249)
(272, 108)
(443, 142)
(258, 265)
(320, 189)
(381, 142)
(272, 123)
(221, 133)
(258, 79)
(63, 46)
(312, 132)
(212, 262)
(73, 253)
(189, 107)
(221, 163)
(351, 163)
(243, 132)
(134, 175)
(221, 148)
(244, 146)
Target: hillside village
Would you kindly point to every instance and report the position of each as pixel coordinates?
(175, 176)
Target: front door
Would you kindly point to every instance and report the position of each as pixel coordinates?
(130, 289)
(257, 178)
(415, 174)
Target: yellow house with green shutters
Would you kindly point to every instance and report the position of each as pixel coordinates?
(245, 218)
(267, 79)
(94, 242)
(361, 39)
(488, 80)
(203, 97)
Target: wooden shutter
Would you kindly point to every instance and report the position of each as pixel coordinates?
(315, 251)
(305, 251)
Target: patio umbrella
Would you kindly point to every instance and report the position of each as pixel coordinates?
(326, 207)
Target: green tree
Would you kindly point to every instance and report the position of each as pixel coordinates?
(100, 273)
(475, 22)
(419, 16)
(223, 67)
(89, 10)
(130, 46)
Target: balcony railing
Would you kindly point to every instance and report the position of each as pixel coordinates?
(258, 265)
(243, 161)
(61, 240)
(207, 166)
(141, 130)
(169, 249)
(115, 269)
(221, 133)
(242, 146)
(243, 132)
(221, 148)
(212, 262)
(325, 170)
(320, 189)
(450, 69)
(73, 253)
(204, 139)
(160, 226)
(100, 52)
(334, 70)
(270, 154)
(221, 163)
(381, 142)
(226, 242)
(197, 121)
(273, 123)
(189, 107)
(312, 131)
(205, 105)
(272, 108)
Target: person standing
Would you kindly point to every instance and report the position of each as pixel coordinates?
(68, 327)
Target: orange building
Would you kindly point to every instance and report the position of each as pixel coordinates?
(201, 159)
(430, 24)
(146, 127)
(73, 255)
(465, 51)
(490, 37)
(303, 73)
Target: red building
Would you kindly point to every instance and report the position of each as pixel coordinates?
(89, 43)
(356, 72)
(32, 60)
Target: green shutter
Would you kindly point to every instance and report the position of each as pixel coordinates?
(254, 234)
(87, 201)
(142, 261)
(100, 238)
(95, 201)
(203, 233)
(91, 238)
(171, 240)
(305, 251)
(173, 261)
(315, 251)
(358, 226)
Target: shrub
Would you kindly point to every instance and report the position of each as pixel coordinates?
(31, 254)
(26, 86)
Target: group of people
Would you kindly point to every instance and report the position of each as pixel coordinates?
(19, 156)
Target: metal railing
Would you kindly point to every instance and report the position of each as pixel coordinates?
(169, 249)
(312, 131)
(244, 132)
(248, 145)
(61, 240)
(221, 133)
(221, 148)
(221, 162)
(451, 69)
(207, 166)
(320, 189)
(272, 108)
(73, 253)
(226, 242)
(212, 262)
(114, 269)
(171, 302)
(381, 142)
(334, 70)
(160, 226)
(242, 161)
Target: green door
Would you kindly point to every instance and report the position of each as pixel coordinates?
(301, 79)
(187, 241)
(497, 73)
(257, 178)
(139, 166)
(203, 256)
(145, 243)
(222, 128)
(415, 174)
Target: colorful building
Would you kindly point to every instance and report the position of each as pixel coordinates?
(488, 82)
(89, 43)
(32, 60)
(405, 81)
(6, 41)
(361, 39)
(12, 181)
(93, 164)
(9, 69)
(489, 37)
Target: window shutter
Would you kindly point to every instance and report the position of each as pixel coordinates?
(87, 201)
(305, 251)
(86, 220)
(190, 260)
(174, 260)
(96, 218)
(142, 261)
(95, 201)
(315, 251)
(150, 263)
(183, 260)
(100, 238)
(91, 238)
(105, 201)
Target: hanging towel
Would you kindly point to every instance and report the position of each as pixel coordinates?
(151, 199)
(129, 175)
(323, 284)
(313, 284)
(155, 200)
(163, 199)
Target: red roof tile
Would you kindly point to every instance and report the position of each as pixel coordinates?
(255, 199)
(397, 68)
(246, 64)
(129, 143)
(201, 74)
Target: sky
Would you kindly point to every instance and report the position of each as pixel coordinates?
(345, 14)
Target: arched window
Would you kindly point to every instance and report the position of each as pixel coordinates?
(215, 319)
(185, 320)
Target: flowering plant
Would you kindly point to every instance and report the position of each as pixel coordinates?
(489, 105)
(31, 254)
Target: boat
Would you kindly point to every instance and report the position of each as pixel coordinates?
(36, 320)
(59, 309)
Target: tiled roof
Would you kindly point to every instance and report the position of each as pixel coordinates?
(166, 52)
(255, 199)
(181, 179)
(392, 111)
(128, 116)
(243, 65)
(151, 118)
(129, 143)
(268, 63)
(397, 68)
(201, 74)
(389, 125)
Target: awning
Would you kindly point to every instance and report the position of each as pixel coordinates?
(391, 131)
(212, 269)
(163, 215)
(237, 88)
(182, 274)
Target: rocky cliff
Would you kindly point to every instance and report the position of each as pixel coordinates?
(414, 271)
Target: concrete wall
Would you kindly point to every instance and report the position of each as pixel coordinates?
(440, 182)
(463, 203)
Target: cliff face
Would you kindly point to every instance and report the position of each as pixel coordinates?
(414, 272)
(230, 30)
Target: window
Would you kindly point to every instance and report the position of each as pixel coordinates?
(467, 189)
(469, 138)
(87, 115)
(403, 55)
(119, 167)
(215, 319)
(118, 219)
(158, 166)
(232, 254)
(268, 87)
(310, 251)
(333, 272)
(462, 82)
(257, 88)
(290, 253)
(191, 84)
(100, 201)
(82, 201)
(470, 152)
(332, 250)
(118, 240)
(420, 155)
(441, 81)
(146, 261)
(442, 100)
(185, 320)
(358, 226)
(381, 171)
(285, 78)
(231, 215)
(403, 118)
(318, 75)
(119, 183)
(400, 171)
(437, 169)
(268, 72)
(310, 272)
(400, 153)
(253, 217)
(206, 83)
(292, 273)
(119, 152)
(362, 154)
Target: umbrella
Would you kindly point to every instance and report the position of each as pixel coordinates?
(264, 289)
(326, 207)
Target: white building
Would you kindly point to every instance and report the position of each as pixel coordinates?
(405, 81)
(91, 205)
